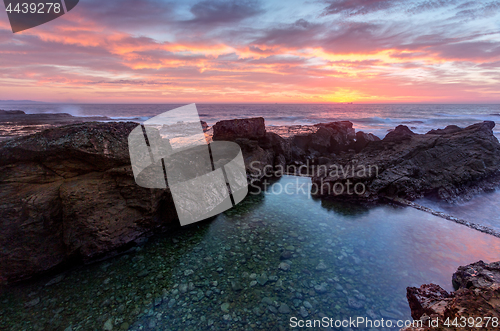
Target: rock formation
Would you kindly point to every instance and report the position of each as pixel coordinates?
(331, 138)
(16, 123)
(69, 193)
(446, 163)
(248, 128)
(477, 295)
(262, 151)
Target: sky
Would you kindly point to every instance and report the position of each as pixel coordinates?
(318, 51)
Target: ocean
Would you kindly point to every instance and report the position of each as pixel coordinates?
(372, 118)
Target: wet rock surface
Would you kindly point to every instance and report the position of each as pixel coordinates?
(68, 193)
(249, 128)
(15, 123)
(476, 295)
(262, 151)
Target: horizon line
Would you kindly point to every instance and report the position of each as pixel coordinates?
(252, 103)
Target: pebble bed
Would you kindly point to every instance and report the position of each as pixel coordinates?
(272, 257)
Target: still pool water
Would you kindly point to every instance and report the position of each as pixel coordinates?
(273, 257)
(482, 209)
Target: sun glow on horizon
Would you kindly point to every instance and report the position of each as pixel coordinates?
(396, 54)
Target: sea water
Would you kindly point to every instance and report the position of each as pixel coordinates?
(375, 118)
(276, 256)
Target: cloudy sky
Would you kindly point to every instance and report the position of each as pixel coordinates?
(146, 51)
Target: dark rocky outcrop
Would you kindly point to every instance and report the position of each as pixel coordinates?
(328, 138)
(19, 117)
(16, 123)
(262, 151)
(477, 295)
(399, 134)
(322, 142)
(448, 129)
(248, 128)
(447, 164)
(343, 133)
(427, 299)
(477, 275)
(69, 193)
(363, 139)
(11, 112)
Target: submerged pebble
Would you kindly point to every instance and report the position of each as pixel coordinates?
(251, 271)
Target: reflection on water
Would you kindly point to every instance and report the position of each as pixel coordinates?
(483, 209)
(272, 257)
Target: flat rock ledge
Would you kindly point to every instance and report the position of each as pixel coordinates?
(476, 295)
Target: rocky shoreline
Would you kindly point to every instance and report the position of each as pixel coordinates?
(16, 123)
(475, 303)
(451, 164)
(68, 193)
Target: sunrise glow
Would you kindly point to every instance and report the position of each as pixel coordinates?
(250, 51)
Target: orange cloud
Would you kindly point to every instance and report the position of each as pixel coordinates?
(213, 59)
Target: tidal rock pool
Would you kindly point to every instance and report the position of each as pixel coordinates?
(277, 256)
(483, 209)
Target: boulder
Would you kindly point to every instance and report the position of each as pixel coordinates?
(344, 132)
(363, 139)
(68, 193)
(323, 140)
(477, 275)
(400, 133)
(249, 128)
(429, 299)
(477, 295)
(262, 151)
(327, 138)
